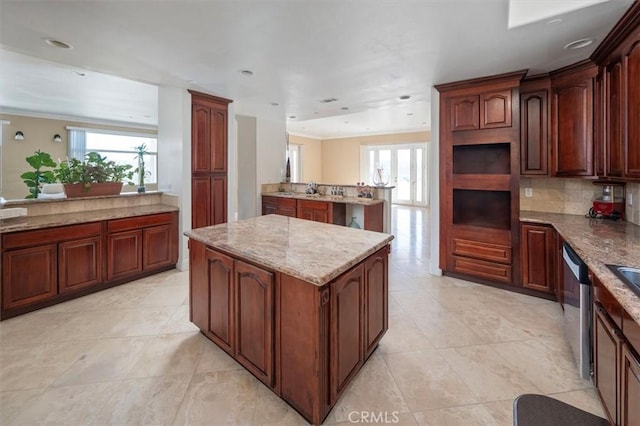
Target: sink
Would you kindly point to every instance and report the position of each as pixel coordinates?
(630, 276)
(14, 212)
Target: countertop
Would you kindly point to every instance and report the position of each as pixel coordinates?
(311, 251)
(332, 198)
(50, 220)
(600, 242)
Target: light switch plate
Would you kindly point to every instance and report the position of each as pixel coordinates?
(630, 199)
(528, 192)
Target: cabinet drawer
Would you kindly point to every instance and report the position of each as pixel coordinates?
(287, 203)
(482, 269)
(315, 205)
(608, 302)
(631, 331)
(51, 235)
(138, 222)
(480, 250)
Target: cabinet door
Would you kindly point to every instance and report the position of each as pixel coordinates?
(287, 207)
(376, 298)
(572, 107)
(538, 254)
(79, 264)
(218, 139)
(200, 202)
(198, 285)
(632, 73)
(346, 339)
(534, 139)
(218, 199)
(607, 343)
(157, 249)
(255, 320)
(465, 113)
(321, 216)
(221, 299)
(495, 110)
(269, 205)
(200, 138)
(630, 388)
(599, 138)
(124, 254)
(28, 275)
(614, 120)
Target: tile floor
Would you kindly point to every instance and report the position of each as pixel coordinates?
(456, 353)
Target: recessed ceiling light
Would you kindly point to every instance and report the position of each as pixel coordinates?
(292, 116)
(79, 73)
(147, 116)
(344, 108)
(579, 44)
(57, 43)
(409, 113)
(274, 104)
(316, 112)
(246, 72)
(424, 122)
(346, 122)
(328, 100)
(554, 21)
(405, 97)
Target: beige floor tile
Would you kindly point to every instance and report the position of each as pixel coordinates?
(169, 354)
(69, 405)
(215, 359)
(107, 360)
(166, 295)
(469, 415)
(373, 390)
(145, 401)
(550, 366)
(179, 322)
(492, 327)
(144, 321)
(445, 330)
(426, 380)
(273, 411)
(585, 399)
(403, 336)
(417, 301)
(226, 397)
(85, 325)
(502, 411)
(37, 366)
(12, 403)
(31, 328)
(368, 418)
(487, 374)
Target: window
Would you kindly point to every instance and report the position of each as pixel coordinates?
(295, 159)
(117, 146)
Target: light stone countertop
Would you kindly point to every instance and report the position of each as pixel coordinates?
(599, 242)
(331, 198)
(47, 221)
(311, 251)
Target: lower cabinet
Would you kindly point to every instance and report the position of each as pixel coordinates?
(317, 211)
(615, 358)
(46, 266)
(537, 248)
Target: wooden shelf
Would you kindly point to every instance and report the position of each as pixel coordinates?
(482, 182)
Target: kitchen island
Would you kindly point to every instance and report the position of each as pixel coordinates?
(300, 304)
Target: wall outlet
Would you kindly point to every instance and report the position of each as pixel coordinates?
(528, 192)
(630, 199)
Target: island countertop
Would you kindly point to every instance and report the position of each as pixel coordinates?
(332, 198)
(311, 251)
(599, 242)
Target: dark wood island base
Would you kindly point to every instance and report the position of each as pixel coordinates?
(303, 340)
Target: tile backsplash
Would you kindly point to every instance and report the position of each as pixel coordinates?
(571, 196)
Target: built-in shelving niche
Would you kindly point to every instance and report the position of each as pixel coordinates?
(486, 209)
(494, 158)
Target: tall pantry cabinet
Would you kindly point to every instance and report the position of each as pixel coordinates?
(479, 178)
(209, 116)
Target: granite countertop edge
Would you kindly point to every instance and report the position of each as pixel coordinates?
(596, 259)
(27, 223)
(334, 199)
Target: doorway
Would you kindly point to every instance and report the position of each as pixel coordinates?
(403, 166)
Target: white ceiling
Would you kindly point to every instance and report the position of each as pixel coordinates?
(365, 54)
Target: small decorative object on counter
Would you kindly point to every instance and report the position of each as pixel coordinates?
(379, 177)
(354, 223)
(287, 176)
(312, 188)
(141, 171)
(337, 190)
(364, 191)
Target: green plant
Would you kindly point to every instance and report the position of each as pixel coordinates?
(94, 169)
(34, 179)
(140, 170)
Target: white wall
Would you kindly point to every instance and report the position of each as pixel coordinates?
(434, 184)
(174, 156)
(248, 184)
(270, 153)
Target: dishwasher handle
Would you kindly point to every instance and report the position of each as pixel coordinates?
(575, 264)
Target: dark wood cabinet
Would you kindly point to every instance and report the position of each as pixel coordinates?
(534, 132)
(614, 124)
(632, 79)
(538, 251)
(629, 387)
(269, 205)
(607, 345)
(465, 113)
(495, 109)
(158, 246)
(79, 264)
(318, 211)
(254, 321)
(221, 297)
(124, 254)
(287, 207)
(209, 122)
(572, 120)
(376, 290)
(599, 137)
(29, 275)
(346, 336)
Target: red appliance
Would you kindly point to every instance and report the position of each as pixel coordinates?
(611, 204)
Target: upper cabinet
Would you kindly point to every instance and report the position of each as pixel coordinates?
(617, 120)
(534, 127)
(484, 111)
(572, 120)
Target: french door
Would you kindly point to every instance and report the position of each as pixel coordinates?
(402, 166)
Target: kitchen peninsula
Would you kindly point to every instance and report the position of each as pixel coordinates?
(300, 304)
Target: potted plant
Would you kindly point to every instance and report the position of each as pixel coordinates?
(140, 170)
(36, 178)
(94, 176)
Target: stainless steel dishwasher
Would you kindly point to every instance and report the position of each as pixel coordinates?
(576, 299)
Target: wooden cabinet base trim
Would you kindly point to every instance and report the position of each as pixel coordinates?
(482, 269)
(480, 250)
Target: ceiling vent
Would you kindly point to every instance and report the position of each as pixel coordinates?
(328, 100)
